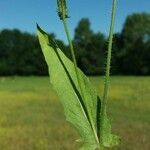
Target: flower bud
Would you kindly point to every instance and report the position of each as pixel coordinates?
(62, 9)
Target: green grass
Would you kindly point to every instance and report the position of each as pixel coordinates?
(31, 116)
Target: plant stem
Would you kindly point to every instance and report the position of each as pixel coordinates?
(107, 75)
(77, 73)
(72, 54)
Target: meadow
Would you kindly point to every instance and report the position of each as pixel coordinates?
(31, 116)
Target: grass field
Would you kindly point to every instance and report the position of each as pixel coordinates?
(31, 117)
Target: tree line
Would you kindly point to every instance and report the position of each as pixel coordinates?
(20, 52)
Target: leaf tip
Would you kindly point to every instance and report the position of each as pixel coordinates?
(39, 29)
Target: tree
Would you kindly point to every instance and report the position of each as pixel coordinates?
(135, 27)
(82, 31)
(118, 54)
(89, 46)
(8, 41)
(20, 53)
(136, 37)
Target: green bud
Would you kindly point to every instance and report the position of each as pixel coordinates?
(62, 9)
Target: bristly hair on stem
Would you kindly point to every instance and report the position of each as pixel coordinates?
(107, 75)
(110, 41)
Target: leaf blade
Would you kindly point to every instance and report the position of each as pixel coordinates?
(109, 139)
(77, 109)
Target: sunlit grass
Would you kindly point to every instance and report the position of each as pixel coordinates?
(31, 117)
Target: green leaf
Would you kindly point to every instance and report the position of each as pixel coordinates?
(109, 139)
(80, 111)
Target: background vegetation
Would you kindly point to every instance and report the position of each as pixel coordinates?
(31, 116)
(20, 52)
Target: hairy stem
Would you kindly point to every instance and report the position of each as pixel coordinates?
(107, 75)
(72, 54)
(76, 71)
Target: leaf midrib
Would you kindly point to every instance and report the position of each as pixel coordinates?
(80, 100)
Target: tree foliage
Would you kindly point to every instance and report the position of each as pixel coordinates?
(20, 52)
(90, 48)
(134, 57)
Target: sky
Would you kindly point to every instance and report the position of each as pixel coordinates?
(23, 14)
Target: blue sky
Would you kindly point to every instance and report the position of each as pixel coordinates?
(23, 14)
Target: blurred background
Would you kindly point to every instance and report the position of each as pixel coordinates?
(31, 117)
